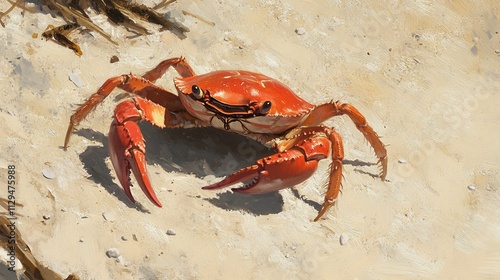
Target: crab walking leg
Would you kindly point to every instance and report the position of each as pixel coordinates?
(333, 190)
(337, 153)
(328, 110)
(179, 63)
(129, 83)
(127, 148)
(142, 86)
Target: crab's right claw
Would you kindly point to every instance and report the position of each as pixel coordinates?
(127, 152)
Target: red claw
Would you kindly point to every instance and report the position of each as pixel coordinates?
(127, 152)
(272, 173)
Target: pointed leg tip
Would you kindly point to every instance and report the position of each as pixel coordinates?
(324, 208)
(321, 213)
(383, 166)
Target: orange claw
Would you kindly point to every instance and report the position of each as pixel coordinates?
(279, 171)
(127, 150)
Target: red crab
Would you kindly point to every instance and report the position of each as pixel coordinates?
(243, 102)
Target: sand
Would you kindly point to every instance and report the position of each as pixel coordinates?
(424, 73)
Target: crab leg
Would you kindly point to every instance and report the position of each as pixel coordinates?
(142, 86)
(298, 134)
(328, 110)
(179, 63)
(127, 148)
(335, 172)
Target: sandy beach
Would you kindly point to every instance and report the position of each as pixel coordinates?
(425, 74)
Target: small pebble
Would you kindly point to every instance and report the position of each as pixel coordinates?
(46, 217)
(112, 253)
(114, 59)
(108, 216)
(171, 232)
(401, 161)
(134, 237)
(344, 237)
(471, 187)
(119, 259)
(49, 174)
(300, 31)
(124, 238)
(75, 78)
(81, 240)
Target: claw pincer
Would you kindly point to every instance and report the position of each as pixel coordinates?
(278, 171)
(127, 150)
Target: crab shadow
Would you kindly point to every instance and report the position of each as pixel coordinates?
(198, 151)
(359, 163)
(93, 159)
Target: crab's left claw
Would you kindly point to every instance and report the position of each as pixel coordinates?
(281, 170)
(276, 172)
(127, 151)
(291, 167)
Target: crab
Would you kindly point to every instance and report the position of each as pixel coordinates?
(243, 102)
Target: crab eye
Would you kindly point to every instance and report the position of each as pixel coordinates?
(197, 92)
(265, 107)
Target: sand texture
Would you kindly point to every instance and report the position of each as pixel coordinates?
(425, 74)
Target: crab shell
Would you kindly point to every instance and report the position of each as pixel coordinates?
(235, 100)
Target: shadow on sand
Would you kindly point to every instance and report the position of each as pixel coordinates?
(199, 151)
